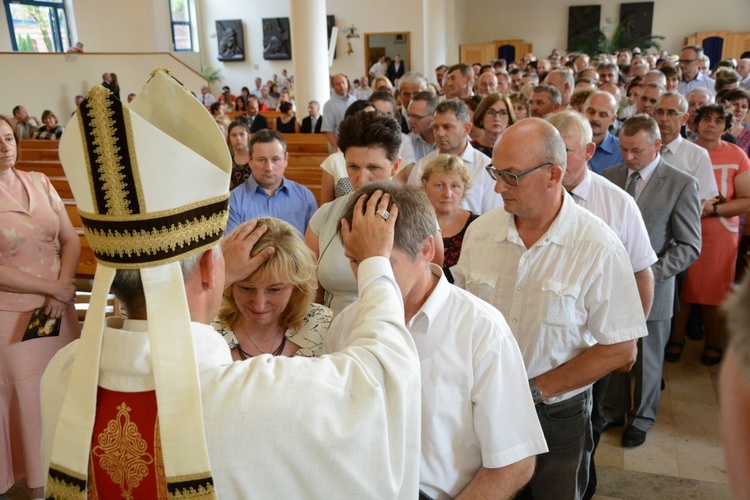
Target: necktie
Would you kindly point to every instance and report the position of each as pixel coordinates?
(664, 150)
(635, 177)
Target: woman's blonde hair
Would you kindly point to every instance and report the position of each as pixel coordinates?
(385, 81)
(292, 262)
(448, 164)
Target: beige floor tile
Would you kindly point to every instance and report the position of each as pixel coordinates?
(715, 491)
(658, 455)
(701, 460)
(696, 421)
(609, 452)
(689, 381)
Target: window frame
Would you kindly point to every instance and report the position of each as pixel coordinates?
(188, 23)
(55, 33)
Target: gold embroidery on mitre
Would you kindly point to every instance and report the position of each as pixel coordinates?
(162, 69)
(198, 486)
(122, 452)
(165, 239)
(107, 152)
(65, 484)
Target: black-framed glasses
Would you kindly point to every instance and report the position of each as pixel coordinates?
(417, 117)
(509, 178)
(492, 112)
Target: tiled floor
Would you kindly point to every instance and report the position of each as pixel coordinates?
(681, 458)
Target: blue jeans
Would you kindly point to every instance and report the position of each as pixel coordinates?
(563, 472)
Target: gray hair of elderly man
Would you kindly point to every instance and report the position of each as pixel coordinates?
(128, 287)
(412, 77)
(416, 217)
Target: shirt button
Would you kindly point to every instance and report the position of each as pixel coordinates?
(519, 288)
(514, 320)
(546, 240)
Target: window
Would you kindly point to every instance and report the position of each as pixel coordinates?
(37, 26)
(182, 31)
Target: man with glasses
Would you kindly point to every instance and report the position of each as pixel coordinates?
(451, 126)
(564, 284)
(671, 115)
(420, 116)
(692, 78)
(408, 85)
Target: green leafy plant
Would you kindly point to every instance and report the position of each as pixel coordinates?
(598, 43)
(211, 75)
(24, 43)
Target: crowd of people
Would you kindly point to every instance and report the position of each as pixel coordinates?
(548, 225)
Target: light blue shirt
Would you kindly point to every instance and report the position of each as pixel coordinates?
(292, 202)
(607, 154)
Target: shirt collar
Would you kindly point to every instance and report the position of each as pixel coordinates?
(675, 144)
(647, 170)
(253, 187)
(582, 190)
(608, 144)
(433, 306)
(560, 232)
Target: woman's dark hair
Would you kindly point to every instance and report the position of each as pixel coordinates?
(240, 104)
(371, 129)
(285, 107)
(238, 123)
(720, 110)
(357, 106)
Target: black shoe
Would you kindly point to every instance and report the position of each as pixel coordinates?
(633, 437)
(605, 424)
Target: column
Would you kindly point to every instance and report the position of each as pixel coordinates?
(309, 53)
(434, 29)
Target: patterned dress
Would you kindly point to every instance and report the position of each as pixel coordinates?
(452, 248)
(309, 336)
(28, 242)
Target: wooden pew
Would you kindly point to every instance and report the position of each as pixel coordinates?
(46, 167)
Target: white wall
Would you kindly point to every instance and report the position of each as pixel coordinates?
(384, 16)
(51, 81)
(544, 23)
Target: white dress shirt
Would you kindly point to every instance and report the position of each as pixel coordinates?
(477, 409)
(620, 212)
(572, 289)
(694, 160)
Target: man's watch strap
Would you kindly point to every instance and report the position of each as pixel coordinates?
(536, 393)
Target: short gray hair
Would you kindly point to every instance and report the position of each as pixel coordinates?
(639, 122)
(455, 106)
(572, 122)
(413, 77)
(681, 101)
(416, 217)
(554, 94)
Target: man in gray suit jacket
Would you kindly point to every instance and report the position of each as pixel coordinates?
(669, 201)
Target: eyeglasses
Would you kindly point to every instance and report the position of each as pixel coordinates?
(509, 178)
(492, 112)
(417, 117)
(686, 61)
(669, 112)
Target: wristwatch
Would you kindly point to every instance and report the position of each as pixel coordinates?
(715, 210)
(536, 392)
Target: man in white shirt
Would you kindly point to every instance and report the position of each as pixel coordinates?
(380, 68)
(671, 115)
(620, 212)
(364, 91)
(564, 283)
(451, 126)
(334, 109)
(743, 68)
(479, 428)
(206, 98)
